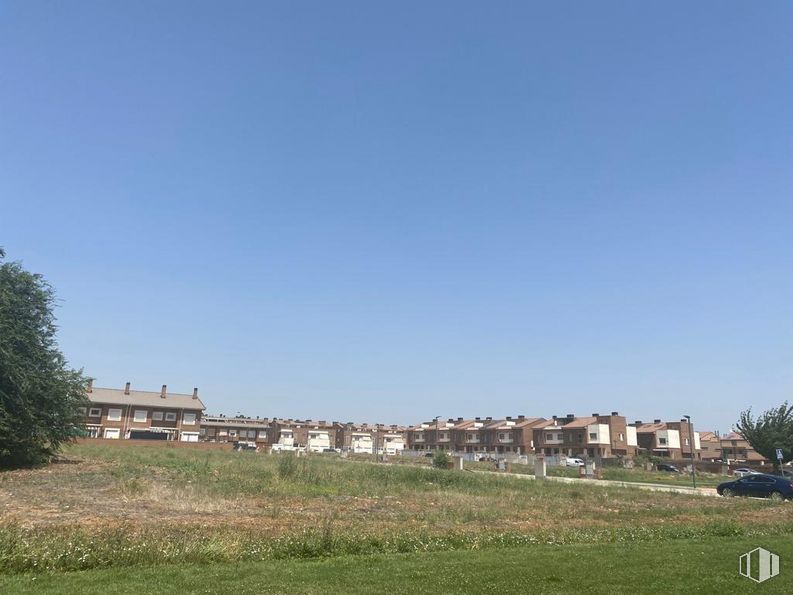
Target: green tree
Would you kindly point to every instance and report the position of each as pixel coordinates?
(771, 430)
(440, 460)
(39, 393)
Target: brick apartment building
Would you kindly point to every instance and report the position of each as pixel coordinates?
(369, 439)
(593, 436)
(219, 428)
(314, 436)
(142, 415)
(735, 448)
(478, 435)
(710, 446)
(668, 439)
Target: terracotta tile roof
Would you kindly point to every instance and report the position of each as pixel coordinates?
(580, 422)
(649, 428)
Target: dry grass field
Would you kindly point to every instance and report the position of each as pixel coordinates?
(107, 505)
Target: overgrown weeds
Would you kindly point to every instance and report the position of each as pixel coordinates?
(68, 549)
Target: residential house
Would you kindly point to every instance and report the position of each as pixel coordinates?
(143, 415)
(314, 436)
(710, 446)
(431, 435)
(393, 440)
(736, 449)
(593, 436)
(671, 439)
(219, 428)
(469, 435)
(511, 435)
(356, 438)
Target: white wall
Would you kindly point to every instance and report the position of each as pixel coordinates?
(361, 443)
(672, 438)
(603, 436)
(630, 435)
(318, 440)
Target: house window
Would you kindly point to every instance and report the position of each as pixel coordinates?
(622, 437)
(233, 433)
(141, 415)
(156, 415)
(262, 435)
(188, 419)
(170, 416)
(685, 441)
(113, 415)
(593, 436)
(549, 436)
(662, 441)
(95, 412)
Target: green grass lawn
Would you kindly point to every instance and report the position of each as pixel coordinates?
(680, 566)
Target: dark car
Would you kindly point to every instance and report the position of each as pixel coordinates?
(667, 468)
(758, 485)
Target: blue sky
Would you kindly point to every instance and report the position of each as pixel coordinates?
(388, 212)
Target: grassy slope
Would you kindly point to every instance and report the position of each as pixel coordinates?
(702, 566)
(130, 505)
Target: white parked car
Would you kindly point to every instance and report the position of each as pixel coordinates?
(744, 471)
(574, 462)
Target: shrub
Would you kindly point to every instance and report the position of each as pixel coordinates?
(440, 460)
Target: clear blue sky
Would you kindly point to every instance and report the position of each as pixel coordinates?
(388, 212)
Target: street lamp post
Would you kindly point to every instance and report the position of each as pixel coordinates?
(437, 432)
(691, 448)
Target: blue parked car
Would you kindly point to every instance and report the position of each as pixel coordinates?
(758, 485)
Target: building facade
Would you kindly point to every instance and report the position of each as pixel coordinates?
(117, 414)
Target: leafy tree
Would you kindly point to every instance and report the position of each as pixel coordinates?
(771, 430)
(440, 460)
(39, 393)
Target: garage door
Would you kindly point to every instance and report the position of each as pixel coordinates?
(112, 433)
(189, 437)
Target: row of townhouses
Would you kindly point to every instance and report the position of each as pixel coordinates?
(133, 414)
(597, 435)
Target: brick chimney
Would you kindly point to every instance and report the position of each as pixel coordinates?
(615, 413)
(126, 389)
(162, 392)
(195, 393)
(656, 421)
